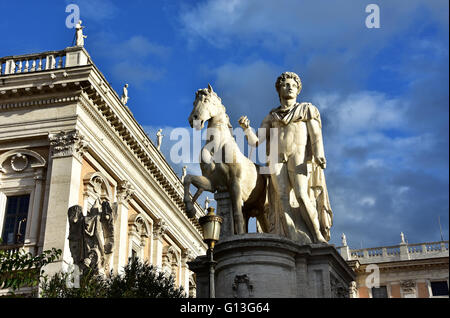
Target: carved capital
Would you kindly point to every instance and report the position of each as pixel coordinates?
(186, 256)
(68, 143)
(408, 286)
(159, 229)
(124, 191)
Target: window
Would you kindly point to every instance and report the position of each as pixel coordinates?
(15, 219)
(439, 288)
(380, 292)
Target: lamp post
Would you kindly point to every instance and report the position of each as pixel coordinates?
(211, 231)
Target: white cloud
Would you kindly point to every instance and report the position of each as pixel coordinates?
(131, 57)
(367, 201)
(362, 111)
(312, 24)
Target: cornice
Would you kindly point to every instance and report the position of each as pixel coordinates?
(87, 83)
(125, 151)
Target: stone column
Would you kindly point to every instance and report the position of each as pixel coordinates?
(186, 256)
(124, 193)
(225, 210)
(67, 150)
(159, 229)
(36, 215)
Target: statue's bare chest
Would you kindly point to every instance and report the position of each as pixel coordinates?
(293, 133)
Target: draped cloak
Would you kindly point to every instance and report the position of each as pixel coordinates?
(317, 188)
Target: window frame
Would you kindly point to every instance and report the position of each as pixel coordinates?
(431, 288)
(22, 242)
(27, 181)
(381, 286)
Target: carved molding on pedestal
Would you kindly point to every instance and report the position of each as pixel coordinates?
(242, 287)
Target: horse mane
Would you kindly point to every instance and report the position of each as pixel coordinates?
(216, 101)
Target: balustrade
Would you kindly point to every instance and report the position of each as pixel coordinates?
(395, 252)
(32, 62)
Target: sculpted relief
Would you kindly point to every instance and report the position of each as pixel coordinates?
(288, 196)
(91, 237)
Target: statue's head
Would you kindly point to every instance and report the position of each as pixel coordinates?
(206, 105)
(286, 76)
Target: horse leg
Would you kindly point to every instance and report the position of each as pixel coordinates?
(197, 194)
(262, 221)
(201, 183)
(236, 202)
(246, 220)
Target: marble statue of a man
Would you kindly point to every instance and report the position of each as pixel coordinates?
(298, 197)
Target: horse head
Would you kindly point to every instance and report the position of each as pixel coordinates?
(207, 105)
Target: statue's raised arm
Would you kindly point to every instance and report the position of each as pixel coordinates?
(253, 139)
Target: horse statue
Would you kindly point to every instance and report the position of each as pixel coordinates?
(224, 167)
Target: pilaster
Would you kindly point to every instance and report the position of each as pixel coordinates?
(186, 256)
(159, 229)
(124, 193)
(67, 150)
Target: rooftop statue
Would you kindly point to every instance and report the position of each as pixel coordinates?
(124, 98)
(207, 201)
(183, 173)
(79, 34)
(159, 138)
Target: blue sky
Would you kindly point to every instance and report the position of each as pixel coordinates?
(382, 93)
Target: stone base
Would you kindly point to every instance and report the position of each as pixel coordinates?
(269, 266)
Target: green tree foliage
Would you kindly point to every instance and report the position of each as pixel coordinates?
(138, 280)
(21, 269)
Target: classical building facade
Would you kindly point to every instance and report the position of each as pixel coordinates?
(401, 271)
(67, 138)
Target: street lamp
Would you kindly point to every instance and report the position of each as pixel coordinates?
(211, 231)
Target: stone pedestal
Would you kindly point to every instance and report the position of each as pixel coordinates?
(225, 211)
(269, 266)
